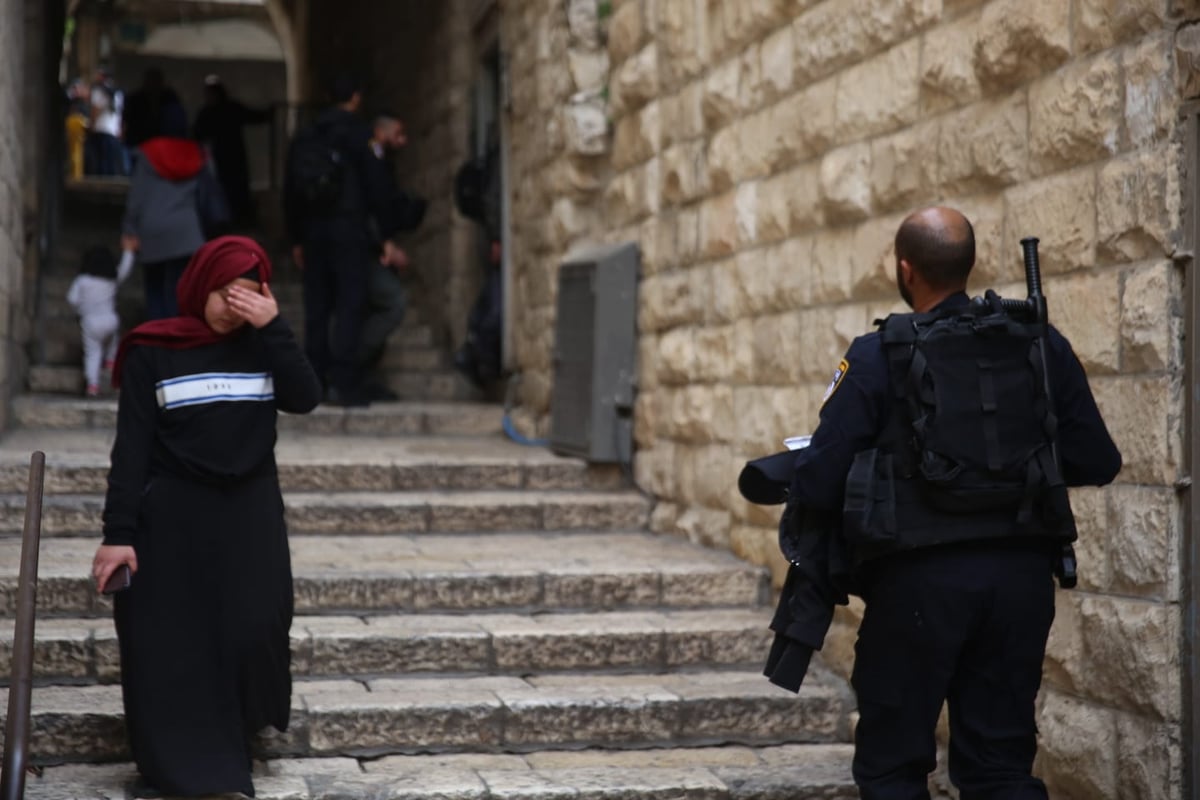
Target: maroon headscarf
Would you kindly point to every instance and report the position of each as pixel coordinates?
(213, 266)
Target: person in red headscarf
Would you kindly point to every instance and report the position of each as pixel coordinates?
(194, 513)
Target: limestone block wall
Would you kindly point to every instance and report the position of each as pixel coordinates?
(421, 60)
(15, 201)
(424, 69)
(762, 152)
(558, 69)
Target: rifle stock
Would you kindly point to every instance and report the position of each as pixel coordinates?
(1033, 278)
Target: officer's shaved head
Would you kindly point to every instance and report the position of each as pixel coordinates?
(939, 243)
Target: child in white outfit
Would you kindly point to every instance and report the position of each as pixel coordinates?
(93, 295)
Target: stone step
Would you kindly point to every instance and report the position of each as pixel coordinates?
(794, 772)
(84, 650)
(62, 323)
(415, 359)
(386, 512)
(353, 575)
(443, 385)
(379, 419)
(56, 379)
(77, 462)
(57, 284)
(68, 477)
(503, 714)
(61, 345)
(411, 334)
(62, 351)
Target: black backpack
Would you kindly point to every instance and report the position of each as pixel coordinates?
(969, 448)
(318, 171)
(978, 430)
(469, 188)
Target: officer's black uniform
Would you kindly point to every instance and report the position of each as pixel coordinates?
(966, 623)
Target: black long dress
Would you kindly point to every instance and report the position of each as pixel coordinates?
(203, 630)
(219, 125)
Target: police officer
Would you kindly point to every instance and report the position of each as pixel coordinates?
(333, 246)
(961, 617)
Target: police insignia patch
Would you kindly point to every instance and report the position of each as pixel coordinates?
(838, 375)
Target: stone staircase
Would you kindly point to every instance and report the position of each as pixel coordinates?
(414, 367)
(474, 620)
(417, 365)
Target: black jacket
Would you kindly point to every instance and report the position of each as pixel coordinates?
(812, 481)
(173, 420)
(364, 197)
(819, 572)
(858, 404)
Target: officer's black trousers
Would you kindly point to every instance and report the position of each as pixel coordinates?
(965, 626)
(335, 286)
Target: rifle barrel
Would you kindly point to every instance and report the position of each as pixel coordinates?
(1033, 267)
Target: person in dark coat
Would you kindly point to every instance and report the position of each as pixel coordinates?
(219, 127)
(334, 244)
(147, 109)
(959, 600)
(194, 511)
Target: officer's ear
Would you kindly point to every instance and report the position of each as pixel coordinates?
(905, 272)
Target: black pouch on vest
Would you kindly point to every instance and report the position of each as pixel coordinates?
(869, 513)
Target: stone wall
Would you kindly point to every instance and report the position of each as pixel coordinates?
(763, 152)
(560, 162)
(18, 200)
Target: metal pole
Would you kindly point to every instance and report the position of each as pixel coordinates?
(1185, 261)
(16, 732)
(1190, 598)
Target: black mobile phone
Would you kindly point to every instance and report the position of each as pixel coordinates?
(121, 578)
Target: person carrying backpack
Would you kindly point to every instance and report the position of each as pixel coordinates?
(477, 192)
(328, 205)
(946, 441)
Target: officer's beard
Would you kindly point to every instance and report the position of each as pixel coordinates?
(905, 294)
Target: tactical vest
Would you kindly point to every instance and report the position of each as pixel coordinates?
(968, 451)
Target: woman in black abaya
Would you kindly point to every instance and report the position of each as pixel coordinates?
(194, 509)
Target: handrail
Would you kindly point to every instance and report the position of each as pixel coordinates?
(16, 729)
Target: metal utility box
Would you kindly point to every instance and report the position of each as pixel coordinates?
(595, 354)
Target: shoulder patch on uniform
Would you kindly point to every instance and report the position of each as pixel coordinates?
(838, 375)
